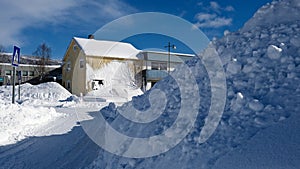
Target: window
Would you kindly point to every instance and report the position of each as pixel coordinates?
(74, 48)
(154, 66)
(31, 73)
(7, 73)
(68, 66)
(81, 63)
(158, 66)
(25, 73)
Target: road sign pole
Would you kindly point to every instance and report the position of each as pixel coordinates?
(19, 81)
(15, 63)
(14, 84)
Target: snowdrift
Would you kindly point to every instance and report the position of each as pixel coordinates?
(18, 121)
(45, 93)
(262, 66)
(118, 79)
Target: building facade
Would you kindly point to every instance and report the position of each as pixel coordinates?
(27, 69)
(157, 65)
(91, 64)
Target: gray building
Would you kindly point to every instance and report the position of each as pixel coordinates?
(157, 65)
(28, 68)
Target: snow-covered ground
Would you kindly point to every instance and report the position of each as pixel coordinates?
(259, 127)
(36, 110)
(17, 121)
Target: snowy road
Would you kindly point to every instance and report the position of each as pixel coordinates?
(74, 149)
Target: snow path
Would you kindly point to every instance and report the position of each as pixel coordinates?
(56, 151)
(73, 149)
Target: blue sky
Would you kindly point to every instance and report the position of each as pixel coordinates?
(54, 22)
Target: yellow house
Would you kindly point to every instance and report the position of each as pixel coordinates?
(90, 64)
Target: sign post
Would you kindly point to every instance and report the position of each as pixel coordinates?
(15, 63)
(19, 88)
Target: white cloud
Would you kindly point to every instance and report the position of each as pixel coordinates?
(105, 9)
(205, 20)
(215, 6)
(15, 16)
(205, 16)
(213, 18)
(229, 8)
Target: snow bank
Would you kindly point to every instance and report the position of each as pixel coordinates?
(51, 91)
(42, 94)
(262, 65)
(273, 148)
(18, 121)
(274, 13)
(118, 82)
(116, 93)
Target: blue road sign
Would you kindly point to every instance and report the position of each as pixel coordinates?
(16, 57)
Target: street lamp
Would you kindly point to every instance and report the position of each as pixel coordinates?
(169, 46)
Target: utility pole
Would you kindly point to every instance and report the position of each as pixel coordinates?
(169, 46)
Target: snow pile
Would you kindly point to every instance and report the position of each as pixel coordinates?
(118, 82)
(274, 147)
(274, 13)
(115, 93)
(17, 121)
(42, 94)
(51, 91)
(262, 65)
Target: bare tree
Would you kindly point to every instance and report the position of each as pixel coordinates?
(43, 53)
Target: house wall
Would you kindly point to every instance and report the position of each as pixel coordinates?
(79, 75)
(94, 71)
(69, 62)
(79, 79)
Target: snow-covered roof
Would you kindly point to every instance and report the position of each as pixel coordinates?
(101, 48)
